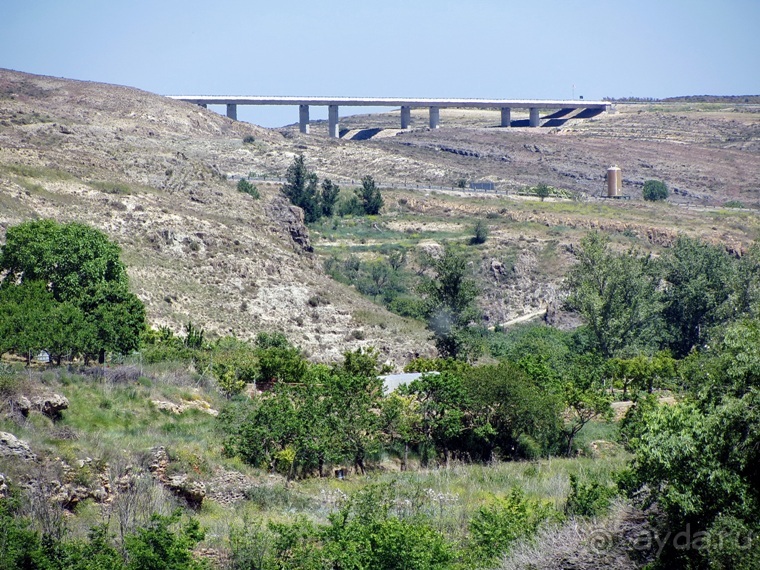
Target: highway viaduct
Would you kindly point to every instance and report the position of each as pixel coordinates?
(406, 105)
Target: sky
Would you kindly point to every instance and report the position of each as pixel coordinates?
(502, 49)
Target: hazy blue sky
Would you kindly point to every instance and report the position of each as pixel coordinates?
(424, 48)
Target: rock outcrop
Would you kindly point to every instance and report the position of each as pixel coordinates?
(11, 446)
(191, 491)
(51, 405)
(291, 219)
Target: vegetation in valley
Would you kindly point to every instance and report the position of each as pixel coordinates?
(251, 427)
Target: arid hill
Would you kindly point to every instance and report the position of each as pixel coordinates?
(155, 174)
(146, 170)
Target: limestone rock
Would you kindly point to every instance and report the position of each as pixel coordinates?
(291, 219)
(431, 248)
(177, 409)
(22, 405)
(11, 446)
(170, 407)
(181, 485)
(191, 491)
(51, 405)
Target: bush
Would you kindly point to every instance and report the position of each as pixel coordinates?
(158, 547)
(495, 527)
(246, 187)
(363, 534)
(480, 233)
(542, 191)
(655, 190)
(250, 139)
(350, 207)
(588, 500)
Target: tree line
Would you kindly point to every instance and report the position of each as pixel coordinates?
(690, 316)
(317, 200)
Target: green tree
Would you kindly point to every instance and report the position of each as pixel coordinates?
(747, 282)
(698, 280)
(81, 267)
(25, 323)
(480, 233)
(352, 402)
(401, 423)
(617, 295)
(511, 415)
(700, 467)
(301, 189)
(643, 372)
(69, 333)
(449, 298)
(329, 197)
(369, 196)
(247, 188)
(543, 191)
(442, 406)
(655, 190)
(584, 403)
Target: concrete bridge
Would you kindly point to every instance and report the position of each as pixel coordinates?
(406, 104)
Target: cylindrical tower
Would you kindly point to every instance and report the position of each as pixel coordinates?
(614, 182)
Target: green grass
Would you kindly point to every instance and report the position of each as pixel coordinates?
(111, 187)
(37, 172)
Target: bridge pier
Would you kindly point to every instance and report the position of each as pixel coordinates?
(333, 128)
(435, 117)
(232, 112)
(303, 119)
(534, 117)
(506, 116)
(406, 116)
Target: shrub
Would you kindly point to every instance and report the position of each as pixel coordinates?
(9, 382)
(542, 191)
(495, 527)
(734, 204)
(249, 139)
(480, 233)
(655, 190)
(246, 187)
(588, 500)
(350, 207)
(158, 547)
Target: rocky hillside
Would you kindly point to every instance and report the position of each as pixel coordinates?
(146, 170)
(157, 176)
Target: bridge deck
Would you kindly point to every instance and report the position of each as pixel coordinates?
(394, 102)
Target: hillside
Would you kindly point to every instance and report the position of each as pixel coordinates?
(150, 172)
(153, 173)
(281, 462)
